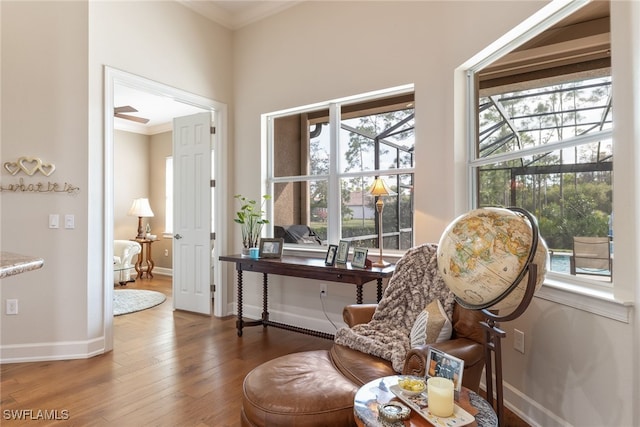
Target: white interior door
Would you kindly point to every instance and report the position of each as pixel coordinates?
(192, 145)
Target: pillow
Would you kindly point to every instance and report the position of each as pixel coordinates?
(431, 326)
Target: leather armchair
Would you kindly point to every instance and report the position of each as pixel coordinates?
(123, 253)
(316, 388)
(466, 343)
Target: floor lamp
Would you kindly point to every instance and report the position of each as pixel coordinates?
(379, 189)
(140, 208)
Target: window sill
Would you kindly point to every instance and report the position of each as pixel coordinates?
(599, 301)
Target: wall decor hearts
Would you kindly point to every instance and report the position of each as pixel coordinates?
(30, 166)
(12, 167)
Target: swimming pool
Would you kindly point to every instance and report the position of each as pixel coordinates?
(560, 264)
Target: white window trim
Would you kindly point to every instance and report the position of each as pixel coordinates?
(333, 233)
(571, 292)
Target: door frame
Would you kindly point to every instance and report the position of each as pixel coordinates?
(112, 78)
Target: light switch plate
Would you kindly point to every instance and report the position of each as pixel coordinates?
(54, 221)
(69, 221)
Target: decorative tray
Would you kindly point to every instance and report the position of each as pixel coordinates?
(419, 403)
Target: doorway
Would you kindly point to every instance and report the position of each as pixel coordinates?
(184, 103)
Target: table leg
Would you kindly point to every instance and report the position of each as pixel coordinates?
(379, 295)
(150, 263)
(239, 321)
(359, 294)
(265, 300)
(137, 266)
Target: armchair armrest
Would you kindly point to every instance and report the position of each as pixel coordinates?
(355, 314)
(468, 350)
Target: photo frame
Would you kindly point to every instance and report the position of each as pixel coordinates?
(441, 364)
(359, 257)
(330, 259)
(343, 252)
(271, 248)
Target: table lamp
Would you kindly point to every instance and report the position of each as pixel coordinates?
(379, 189)
(140, 208)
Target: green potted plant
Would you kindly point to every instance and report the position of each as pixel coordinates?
(249, 216)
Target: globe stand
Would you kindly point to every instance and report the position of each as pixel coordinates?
(492, 344)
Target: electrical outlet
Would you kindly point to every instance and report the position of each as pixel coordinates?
(518, 340)
(323, 289)
(166, 252)
(12, 306)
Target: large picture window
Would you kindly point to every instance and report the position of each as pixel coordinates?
(543, 140)
(548, 149)
(323, 161)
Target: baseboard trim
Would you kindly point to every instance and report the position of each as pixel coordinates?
(41, 352)
(527, 409)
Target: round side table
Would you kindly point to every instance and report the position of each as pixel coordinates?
(376, 392)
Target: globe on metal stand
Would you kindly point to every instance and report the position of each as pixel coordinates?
(488, 261)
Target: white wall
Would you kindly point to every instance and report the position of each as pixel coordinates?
(130, 180)
(53, 54)
(45, 115)
(322, 50)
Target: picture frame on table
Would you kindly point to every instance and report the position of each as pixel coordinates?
(359, 257)
(441, 364)
(271, 248)
(330, 259)
(343, 252)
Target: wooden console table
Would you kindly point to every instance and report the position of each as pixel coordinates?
(308, 268)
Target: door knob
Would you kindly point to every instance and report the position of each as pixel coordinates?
(177, 236)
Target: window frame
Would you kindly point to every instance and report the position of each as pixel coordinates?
(334, 230)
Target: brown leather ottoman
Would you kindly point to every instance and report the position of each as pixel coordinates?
(301, 389)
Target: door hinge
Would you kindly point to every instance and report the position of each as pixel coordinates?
(213, 236)
(212, 130)
(212, 183)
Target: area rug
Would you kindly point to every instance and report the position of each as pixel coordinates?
(127, 301)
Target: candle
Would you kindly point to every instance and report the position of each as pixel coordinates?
(440, 395)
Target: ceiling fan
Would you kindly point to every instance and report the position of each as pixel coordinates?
(117, 112)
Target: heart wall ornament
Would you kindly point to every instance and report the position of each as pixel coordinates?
(30, 166)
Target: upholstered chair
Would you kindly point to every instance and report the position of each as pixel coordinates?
(123, 260)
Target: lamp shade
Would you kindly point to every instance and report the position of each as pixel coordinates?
(140, 208)
(379, 188)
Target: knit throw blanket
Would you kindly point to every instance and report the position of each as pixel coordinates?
(414, 284)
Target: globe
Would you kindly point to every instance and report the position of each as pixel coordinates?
(484, 255)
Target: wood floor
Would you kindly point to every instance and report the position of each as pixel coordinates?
(168, 368)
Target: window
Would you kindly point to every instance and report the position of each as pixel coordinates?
(323, 161)
(543, 138)
(548, 149)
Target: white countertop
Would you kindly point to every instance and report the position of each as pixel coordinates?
(12, 264)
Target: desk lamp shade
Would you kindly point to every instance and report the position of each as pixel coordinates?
(379, 189)
(140, 208)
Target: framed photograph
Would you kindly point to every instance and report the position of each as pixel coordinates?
(330, 259)
(441, 364)
(359, 257)
(343, 252)
(271, 248)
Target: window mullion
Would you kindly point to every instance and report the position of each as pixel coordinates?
(333, 199)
